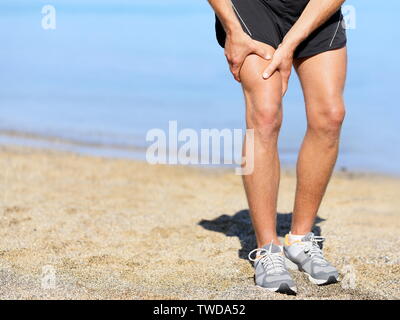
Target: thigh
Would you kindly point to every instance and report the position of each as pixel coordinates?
(263, 97)
(322, 78)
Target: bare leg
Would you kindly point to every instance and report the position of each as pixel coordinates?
(264, 115)
(322, 78)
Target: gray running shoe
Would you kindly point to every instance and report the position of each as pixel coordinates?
(270, 270)
(307, 255)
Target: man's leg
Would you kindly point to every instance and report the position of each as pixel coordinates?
(322, 78)
(264, 115)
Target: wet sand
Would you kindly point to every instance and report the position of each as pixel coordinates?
(122, 229)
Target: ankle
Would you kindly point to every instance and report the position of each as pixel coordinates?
(295, 237)
(265, 242)
(297, 231)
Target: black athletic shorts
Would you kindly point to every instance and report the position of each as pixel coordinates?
(268, 21)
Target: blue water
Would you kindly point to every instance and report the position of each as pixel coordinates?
(114, 69)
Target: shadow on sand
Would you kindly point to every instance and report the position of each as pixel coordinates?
(239, 225)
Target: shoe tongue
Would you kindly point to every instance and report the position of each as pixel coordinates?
(308, 237)
(274, 248)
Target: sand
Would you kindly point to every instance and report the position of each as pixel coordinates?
(122, 229)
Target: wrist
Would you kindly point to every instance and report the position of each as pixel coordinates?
(293, 39)
(233, 30)
(289, 46)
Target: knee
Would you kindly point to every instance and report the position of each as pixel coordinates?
(267, 121)
(327, 116)
(264, 106)
(333, 118)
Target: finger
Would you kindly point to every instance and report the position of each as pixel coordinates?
(270, 70)
(235, 69)
(284, 88)
(285, 83)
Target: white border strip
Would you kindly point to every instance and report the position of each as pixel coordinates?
(237, 12)
(337, 29)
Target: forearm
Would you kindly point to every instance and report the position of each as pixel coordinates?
(224, 10)
(314, 15)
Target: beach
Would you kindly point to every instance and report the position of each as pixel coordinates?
(109, 91)
(123, 229)
(83, 216)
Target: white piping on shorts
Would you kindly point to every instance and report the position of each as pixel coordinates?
(237, 12)
(337, 29)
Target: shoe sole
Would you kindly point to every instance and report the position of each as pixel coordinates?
(283, 288)
(324, 282)
(319, 282)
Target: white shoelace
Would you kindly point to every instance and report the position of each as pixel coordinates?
(272, 262)
(312, 248)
